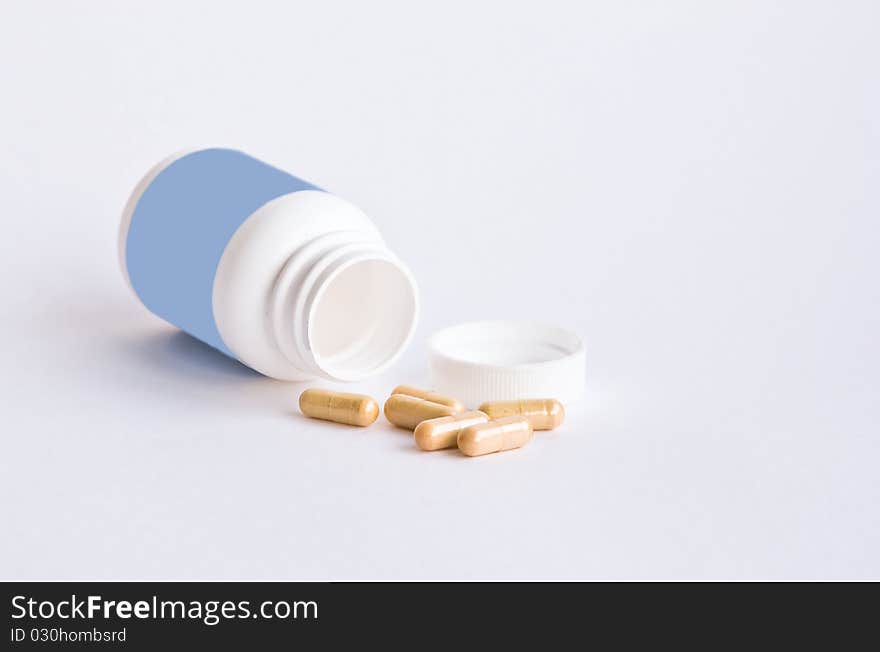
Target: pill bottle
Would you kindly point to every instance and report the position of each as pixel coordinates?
(269, 269)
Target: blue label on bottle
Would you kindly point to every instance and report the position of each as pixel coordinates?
(182, 224)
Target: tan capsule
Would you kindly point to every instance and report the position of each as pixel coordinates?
(442, 432)
(543, 413)
(353, 409)
(494, 436)
(454, 403)
(408, 411)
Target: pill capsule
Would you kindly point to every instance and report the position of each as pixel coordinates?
(543, 413)
(454, 403)
(494, 436)
(442, 432)
(353, 409)
(408, 411)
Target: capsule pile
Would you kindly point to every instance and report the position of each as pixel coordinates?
(439, 421)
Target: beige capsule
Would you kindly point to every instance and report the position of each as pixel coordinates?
(442, 432)
(494, 436)
(543, 413)
(352, 409)
(408, 411)
(408, 390)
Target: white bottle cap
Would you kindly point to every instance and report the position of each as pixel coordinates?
(503, 360)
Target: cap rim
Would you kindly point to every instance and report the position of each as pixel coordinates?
(464, 364)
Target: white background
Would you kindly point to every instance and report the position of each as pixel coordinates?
(691, 186)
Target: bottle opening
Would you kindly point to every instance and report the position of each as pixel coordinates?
(362, 318)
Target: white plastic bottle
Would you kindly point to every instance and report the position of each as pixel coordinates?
(290, 280)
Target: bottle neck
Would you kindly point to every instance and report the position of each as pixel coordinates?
(343, 307)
